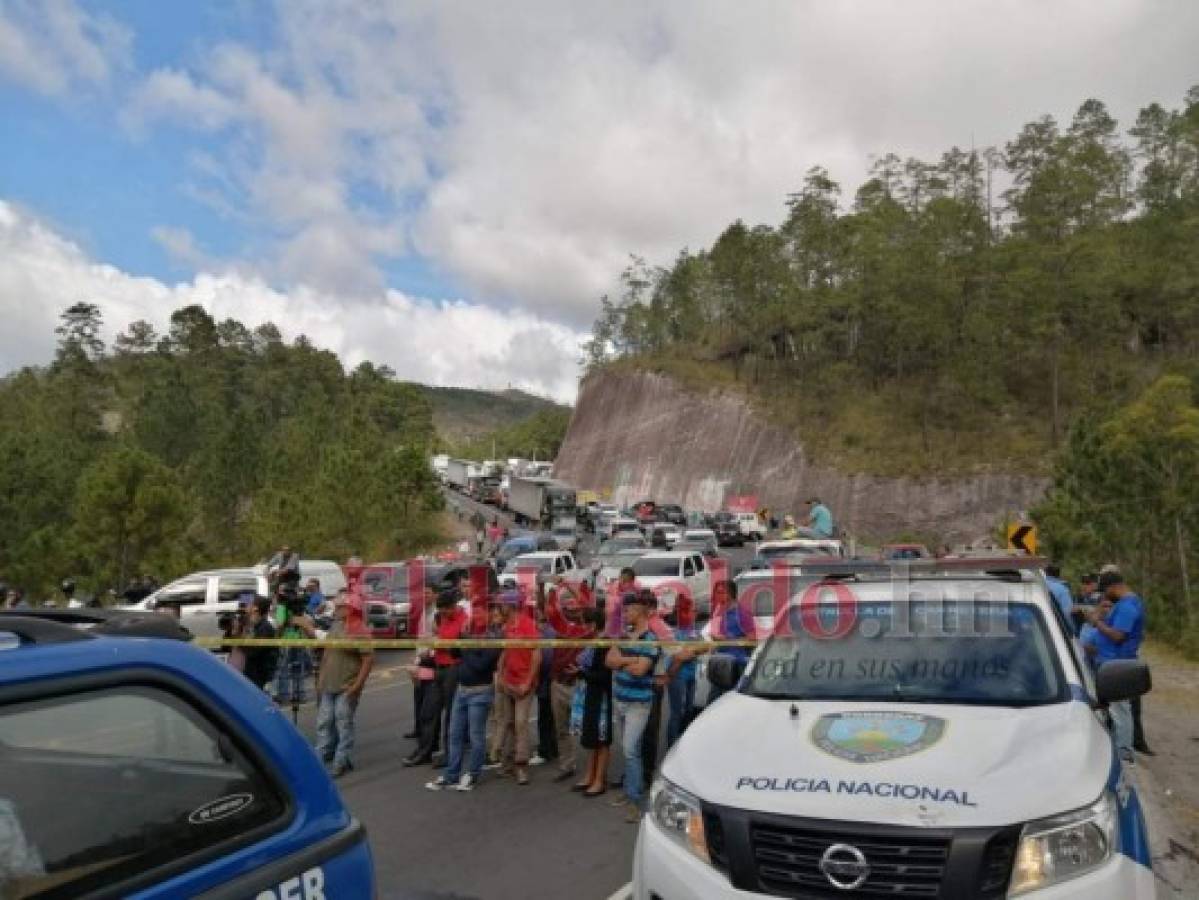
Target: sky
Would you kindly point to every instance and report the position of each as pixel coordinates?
(449, 187)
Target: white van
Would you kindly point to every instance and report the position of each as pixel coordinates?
(202, 598)
(935, 736)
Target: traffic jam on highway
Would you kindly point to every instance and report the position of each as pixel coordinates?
(903, 706)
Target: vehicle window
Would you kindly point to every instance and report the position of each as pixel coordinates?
(150, 782)
(185, 593)
(698, 561)
(950, 652)
(688, 567)
(232, 587)
(656, 567)
(789, 553)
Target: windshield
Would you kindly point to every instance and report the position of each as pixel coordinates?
(653, 568)
(948, 652)
(618, 560)
(789, 553)
(542, 564)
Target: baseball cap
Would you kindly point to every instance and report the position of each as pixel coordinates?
(1110, 579)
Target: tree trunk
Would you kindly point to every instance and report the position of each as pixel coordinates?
(1055, 393)
(1180, 540)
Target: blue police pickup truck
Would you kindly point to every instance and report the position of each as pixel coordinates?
(135, 765)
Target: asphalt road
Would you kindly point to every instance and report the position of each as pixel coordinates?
(500, 841)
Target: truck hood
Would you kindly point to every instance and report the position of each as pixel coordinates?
(981, 766)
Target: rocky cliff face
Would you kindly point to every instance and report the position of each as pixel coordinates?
(641, 435)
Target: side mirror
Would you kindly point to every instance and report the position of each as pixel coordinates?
(1122, 679)
(722, 672)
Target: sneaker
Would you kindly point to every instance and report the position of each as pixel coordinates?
(632, 815)
(339, 769)
(537, 760)
(491, 765)
(522, 776)
(466, 783)
(439, 783)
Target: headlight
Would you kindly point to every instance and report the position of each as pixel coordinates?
(679, 815)
(1063, 847)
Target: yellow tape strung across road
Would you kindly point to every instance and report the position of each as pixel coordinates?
(458, 644)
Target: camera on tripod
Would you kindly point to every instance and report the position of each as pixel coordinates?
(292, 600)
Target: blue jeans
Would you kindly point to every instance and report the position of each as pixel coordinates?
(681, 693)
(1121, 716)
(295, 665)
(468, 716)
(631, 719)
(335, 727)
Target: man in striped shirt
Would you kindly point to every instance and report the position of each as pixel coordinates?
(633, 693)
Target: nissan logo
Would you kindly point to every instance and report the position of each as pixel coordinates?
(845, 867)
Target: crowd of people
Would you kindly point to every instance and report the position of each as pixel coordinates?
(474, 707)
(66, 596)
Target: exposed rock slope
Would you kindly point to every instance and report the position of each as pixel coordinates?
(639, 435)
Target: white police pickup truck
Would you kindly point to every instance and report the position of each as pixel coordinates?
(931, 731)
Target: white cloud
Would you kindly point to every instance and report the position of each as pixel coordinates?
(459, 343)
(54, 45)
(171, 94)
(527, 148)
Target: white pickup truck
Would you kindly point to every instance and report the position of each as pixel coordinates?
(669, 574)
(547, 564)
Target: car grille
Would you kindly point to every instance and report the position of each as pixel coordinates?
(997, 862)
(788, 861)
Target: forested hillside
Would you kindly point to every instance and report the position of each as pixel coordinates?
(464, 414)
(208, 445)
(952, 314)
(537, 436)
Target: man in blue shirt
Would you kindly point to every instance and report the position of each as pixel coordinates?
(1118, 635)
(1059, 591)
(820, 519)
(315, 599)
(633, 692)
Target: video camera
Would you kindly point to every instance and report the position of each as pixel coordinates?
(290, 599)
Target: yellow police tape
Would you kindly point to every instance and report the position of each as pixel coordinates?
(456, 644)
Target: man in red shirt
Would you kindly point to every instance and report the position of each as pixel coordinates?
(438, 698)
(516, 685)
(564, 608)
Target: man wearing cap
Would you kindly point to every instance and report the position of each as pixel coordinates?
(1118, 635)
(339, 685)
(1088, 597)
(439, 693)
(472, 702)
(633, 692)
(516, 682)
(564, 608)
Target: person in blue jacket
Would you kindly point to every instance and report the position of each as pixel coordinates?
(1118, 636)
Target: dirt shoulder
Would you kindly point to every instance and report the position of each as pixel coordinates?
(1169, 780)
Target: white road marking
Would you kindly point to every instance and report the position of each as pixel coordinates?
(623, 893)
